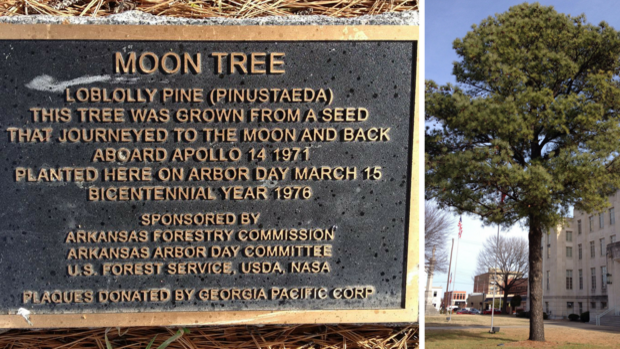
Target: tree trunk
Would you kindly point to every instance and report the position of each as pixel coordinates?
(505, 304)
(537, 327)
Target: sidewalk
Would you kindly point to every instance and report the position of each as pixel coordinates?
(548, 324)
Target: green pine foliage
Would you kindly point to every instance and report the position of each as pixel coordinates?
(534, 116)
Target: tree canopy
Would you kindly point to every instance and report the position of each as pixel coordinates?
(533, 120)
(534, 116)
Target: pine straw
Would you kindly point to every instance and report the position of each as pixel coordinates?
(207, 8)
(233, 337)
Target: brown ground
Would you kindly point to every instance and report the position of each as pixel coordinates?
(473, 320)
(557, 337)
(561, 335)
(219, 337)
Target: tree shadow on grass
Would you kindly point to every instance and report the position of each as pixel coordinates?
(449, 335)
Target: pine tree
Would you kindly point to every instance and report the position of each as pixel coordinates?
(532, 128)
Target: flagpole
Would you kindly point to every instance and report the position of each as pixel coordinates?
(501, 202)
(449, 279)
(456, 260)
(495, 286)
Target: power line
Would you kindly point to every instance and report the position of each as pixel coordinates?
(465, 283)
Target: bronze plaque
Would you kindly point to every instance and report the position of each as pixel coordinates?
(208, 175)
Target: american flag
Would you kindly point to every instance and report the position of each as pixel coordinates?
(460, 227)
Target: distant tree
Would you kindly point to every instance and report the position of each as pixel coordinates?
(437, 227)
(535, 117)
(508, 255)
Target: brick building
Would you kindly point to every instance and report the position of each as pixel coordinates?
(455, 298)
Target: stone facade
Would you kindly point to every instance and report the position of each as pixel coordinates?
(613, 254)
(575, 266)
(476, 300)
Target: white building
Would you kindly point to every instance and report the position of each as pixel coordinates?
(437, 297)
(575, 267)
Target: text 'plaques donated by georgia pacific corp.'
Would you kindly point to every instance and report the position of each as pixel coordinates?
(218, 179)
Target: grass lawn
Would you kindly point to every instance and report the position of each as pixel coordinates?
(472, 320)
(557, 337)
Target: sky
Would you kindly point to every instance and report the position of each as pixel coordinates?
(446, 20)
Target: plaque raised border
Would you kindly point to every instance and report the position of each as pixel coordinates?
(409, 310)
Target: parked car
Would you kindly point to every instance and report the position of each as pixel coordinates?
(475, 312)
(453, 307)
(463, 311)
(488, 312)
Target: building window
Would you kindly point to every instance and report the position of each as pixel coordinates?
(579, 250)
(569, 279)
(593, 272)
(612, 217)
(569, 252)
(579, 227)
(612, 239)
(603, 305)
(601, 221)
(580, 280)
(580, 307)
(592, 305)
(570, 305)
(604, 278)
(591, 223)
(592, 253)
(548, 251)
(547, 280)
(569, 236)
(547, 307)
(602, 241)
